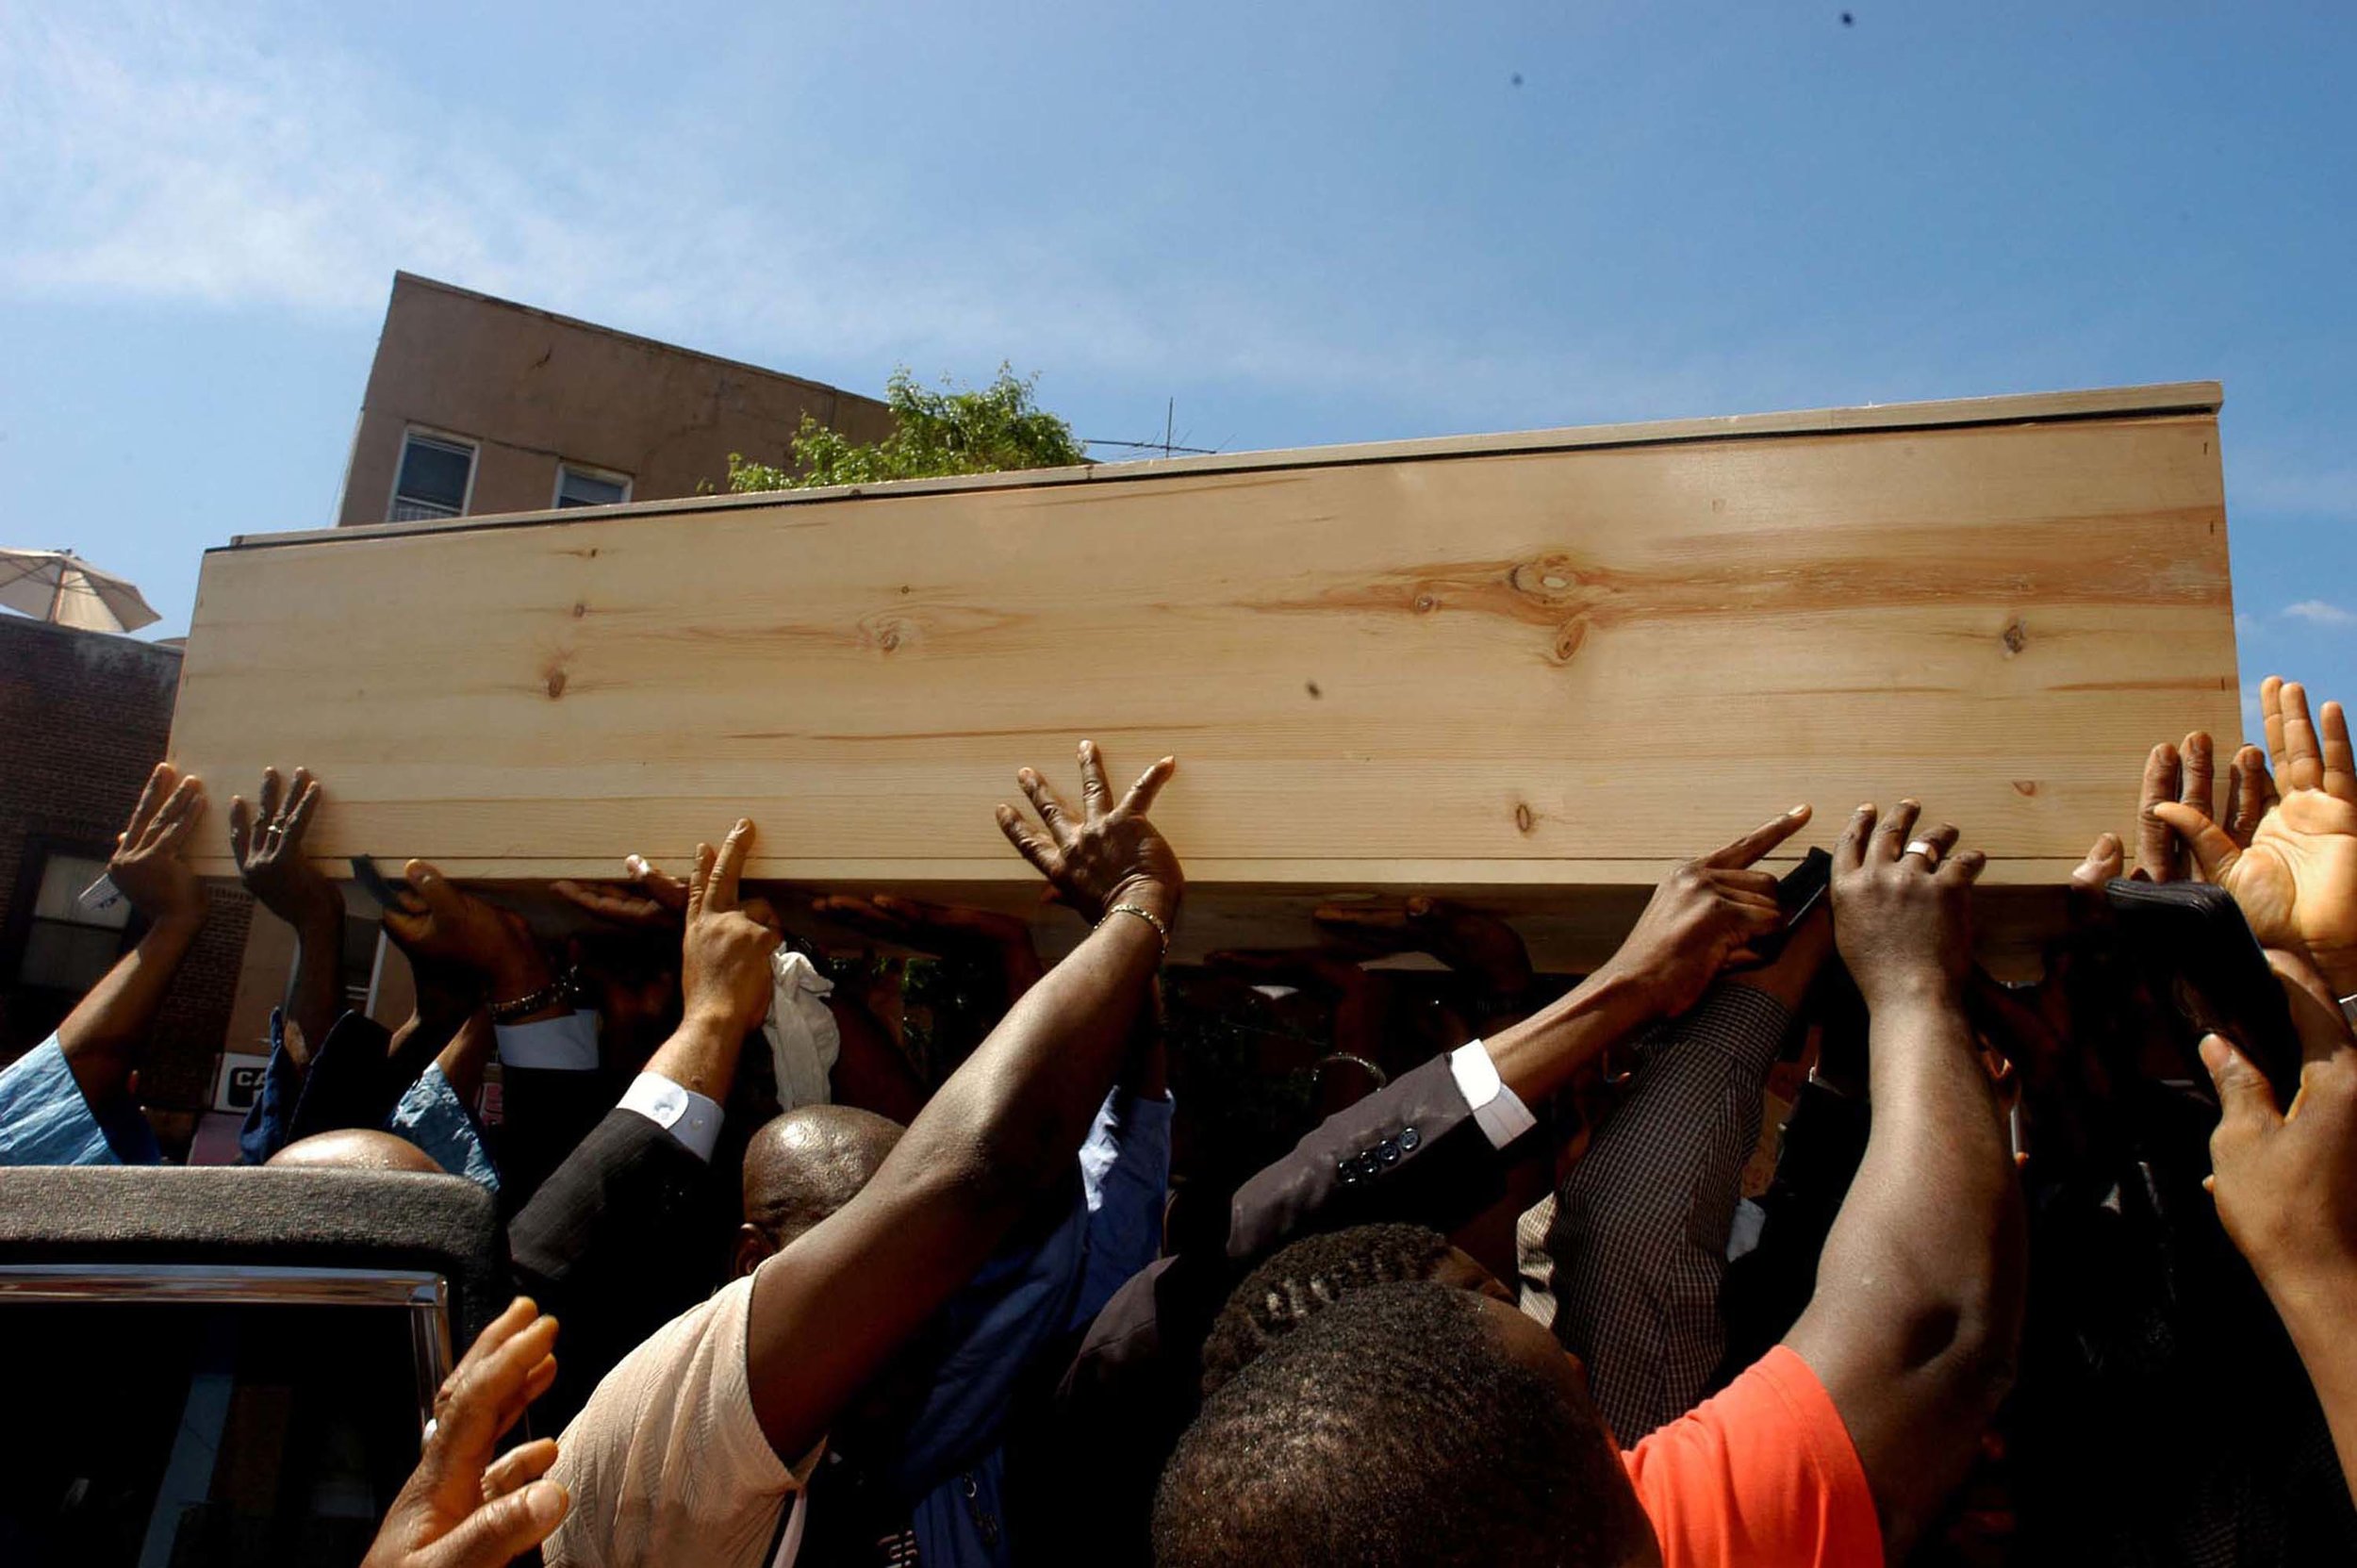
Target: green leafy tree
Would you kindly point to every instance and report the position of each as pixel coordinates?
(949, 430)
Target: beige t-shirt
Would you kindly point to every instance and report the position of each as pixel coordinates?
(666, 1463)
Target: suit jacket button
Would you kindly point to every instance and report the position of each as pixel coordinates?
(1409, 1139)
(1391, 1151)
(1347, 1169)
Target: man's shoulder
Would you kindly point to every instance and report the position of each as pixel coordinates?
(691, 1348)
(667, 1450)
(1767, 1459)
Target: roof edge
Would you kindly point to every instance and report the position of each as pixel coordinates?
(2154, 401)
(421, 281)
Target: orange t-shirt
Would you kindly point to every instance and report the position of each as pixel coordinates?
(1762, 1476)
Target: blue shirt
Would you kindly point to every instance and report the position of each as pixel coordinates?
(1026, 1300)
(431, 1115)
(45, 1120)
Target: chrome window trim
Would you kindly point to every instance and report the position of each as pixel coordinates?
(424, 1294)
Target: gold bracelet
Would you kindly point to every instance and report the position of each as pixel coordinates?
(1161, 929)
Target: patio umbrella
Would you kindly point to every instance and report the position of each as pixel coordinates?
(59, 586)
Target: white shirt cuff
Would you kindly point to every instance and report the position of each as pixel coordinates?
(694, 1119)
(1499, 1111)
(568, 1043)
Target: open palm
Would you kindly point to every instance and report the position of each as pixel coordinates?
(2296, 876)
(2296, 883)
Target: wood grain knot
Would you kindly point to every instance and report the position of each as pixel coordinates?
(555, 684)
(1570, 638)
(1525, 819)
(1426, 603)
(1311, 687)
(1550, 578)
(2025, 786)
(2016, 636)
(890, 639)
(580, 609)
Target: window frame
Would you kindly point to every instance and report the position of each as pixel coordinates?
(39, 850)
(441, 437)
(605, 476)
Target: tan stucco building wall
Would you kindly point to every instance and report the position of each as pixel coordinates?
(531, 389)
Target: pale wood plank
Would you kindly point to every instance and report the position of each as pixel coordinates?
(2203, 397)
(1566, 666)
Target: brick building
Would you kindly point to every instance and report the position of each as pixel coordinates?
(84, 716)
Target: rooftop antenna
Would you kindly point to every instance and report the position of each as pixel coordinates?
(1168, 446)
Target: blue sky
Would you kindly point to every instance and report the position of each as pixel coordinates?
(1307, 223)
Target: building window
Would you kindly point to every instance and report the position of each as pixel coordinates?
(589, 487)
(435, 474)
(70, 945)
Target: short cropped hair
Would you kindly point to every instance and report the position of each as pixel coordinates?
(803, 1165)
(1307, 1277)
(1394, 1428)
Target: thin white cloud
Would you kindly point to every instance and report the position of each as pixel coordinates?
(2317, 612)
(150, 155)
(2274, 482)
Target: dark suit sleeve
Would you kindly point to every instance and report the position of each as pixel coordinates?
(619, 1240)
(1411, 1153)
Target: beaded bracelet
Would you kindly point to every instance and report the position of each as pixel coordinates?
(1160, 928)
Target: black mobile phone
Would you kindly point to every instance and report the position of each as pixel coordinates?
(2200, 959)
(1799, 892)
(386, 894)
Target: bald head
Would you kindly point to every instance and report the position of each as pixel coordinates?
(805, 1164)
(357, 1149)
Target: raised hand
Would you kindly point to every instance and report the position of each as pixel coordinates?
(2295, 872)
(2105, 860)
(440, 924)
(1464, 939)
(1902, 906)
(266, 840)
(980, 935)
(724, 953)
(1704, 916)
(928, 928)
(2185, 775)
(651, 897)
(146, 866)
(1110, 854)
(461, 1508)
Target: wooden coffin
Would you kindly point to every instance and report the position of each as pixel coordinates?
(1532, 671)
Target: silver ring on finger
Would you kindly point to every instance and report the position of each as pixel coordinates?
(1925, 846)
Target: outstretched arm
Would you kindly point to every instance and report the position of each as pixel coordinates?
(1702, 918)
(2286, 1187)
(1917, 1314)
(103, 1037)
(828, 1310)
(267, 843)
